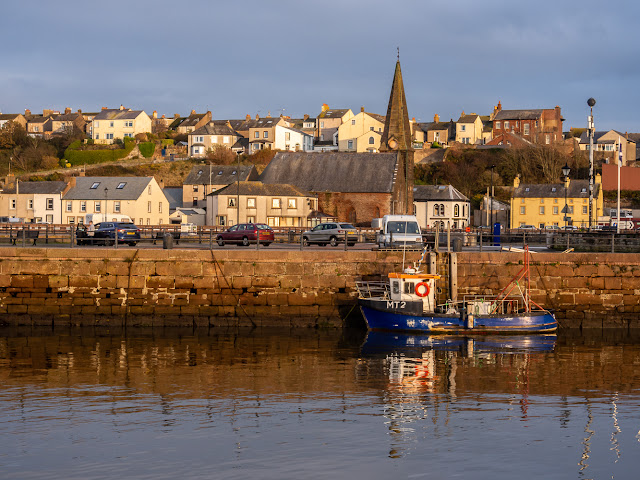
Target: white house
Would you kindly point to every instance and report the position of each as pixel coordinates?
(293, 140)
(441, 205)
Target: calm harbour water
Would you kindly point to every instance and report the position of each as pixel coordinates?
(272, 404)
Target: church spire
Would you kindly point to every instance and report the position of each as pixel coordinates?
(397, 130)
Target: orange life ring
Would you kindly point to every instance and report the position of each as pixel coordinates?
(426, 289)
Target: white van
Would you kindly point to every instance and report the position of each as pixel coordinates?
(397, 230)
(110, 217)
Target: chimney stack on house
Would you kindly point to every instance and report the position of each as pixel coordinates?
(155, 114)
(436, 118)
(121, 107)
(104, 108)
(257, 117)
(305, 116)
(325, 107)
(362, 109)
(67, 111)
(27, 112)
(248, 117)
(80, 111)
(193, 112)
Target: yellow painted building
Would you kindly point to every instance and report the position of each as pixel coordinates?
(361, 133)
(121, 123)
(542, 205)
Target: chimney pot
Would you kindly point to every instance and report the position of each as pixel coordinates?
(306, 116)
(67, 111)
(27, 112)
(193, 112)
(176, 115)
(436, 118)
(155, 114)
(121, 107)
(248, 117)
(362, 109)
(104, 108)
(257, 117)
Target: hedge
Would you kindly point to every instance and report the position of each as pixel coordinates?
(147, 149)
(80, 157)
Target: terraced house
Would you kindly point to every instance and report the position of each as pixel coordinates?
(38, 202)
(542, 126)
(112, 124)
(141, 198)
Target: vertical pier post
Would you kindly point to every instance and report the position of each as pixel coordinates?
(453, 276)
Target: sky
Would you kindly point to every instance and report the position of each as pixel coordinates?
(290, 56)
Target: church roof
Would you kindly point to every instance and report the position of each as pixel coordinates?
(396, 123)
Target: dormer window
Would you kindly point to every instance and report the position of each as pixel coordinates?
(553, 189)
(95, 185)
(220, 172)
(526, 189)
(584, 190)
(121, 185)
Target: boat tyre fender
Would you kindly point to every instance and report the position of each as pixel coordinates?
(422, 289)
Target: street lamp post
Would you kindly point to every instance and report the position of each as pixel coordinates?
(104, 214)
(591, 102)
(238, 199)
(565, 171)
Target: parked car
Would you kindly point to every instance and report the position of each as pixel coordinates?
(105, 233)
(332, 233)
(246, 233)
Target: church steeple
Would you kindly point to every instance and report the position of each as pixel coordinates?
(397, 130)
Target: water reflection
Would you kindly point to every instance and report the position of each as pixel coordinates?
(288, 404)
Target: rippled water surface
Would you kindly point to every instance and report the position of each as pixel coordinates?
(271, 404)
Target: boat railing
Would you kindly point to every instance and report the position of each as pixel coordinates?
(372, 289)
(495, 305)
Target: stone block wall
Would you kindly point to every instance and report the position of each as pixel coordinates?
(267, 287)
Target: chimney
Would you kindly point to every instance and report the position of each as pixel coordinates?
(499, 107)
(163, 116)
(462, 114)
(67, 111)
(257, 117)
(193, 112)
(121, 107)
(248, 117)
(305, 117)
(269, 114)
(162, 184)
(80, 111)
(27, 112)
(436, 118)
(362, 109)
(516, 181)
(46, 112)
(176, 115)
(105, 108)
(82, 172)
(155, 114)
(325, 107)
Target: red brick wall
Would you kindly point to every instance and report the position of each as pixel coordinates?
(355, 207)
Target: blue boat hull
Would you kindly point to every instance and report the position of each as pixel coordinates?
(378, 317)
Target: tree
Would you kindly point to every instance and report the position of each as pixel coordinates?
(221, 155)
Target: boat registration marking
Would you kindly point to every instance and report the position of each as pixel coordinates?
(391, 304)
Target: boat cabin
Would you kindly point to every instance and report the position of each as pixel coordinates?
(414, 287)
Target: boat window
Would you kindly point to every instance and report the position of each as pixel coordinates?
(408, 287)
(396, 286)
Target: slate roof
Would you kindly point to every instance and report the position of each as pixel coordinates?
(9, 116)
(429, 126)
(333, 113)
(577, 189)
(132, 189)
(380, 118)
(220, 174)
(174, 196)
(262, 189)
(423, 193)
(192, 119)
(333, 171)
(518, 114)
(36, 188)
(67, 117)
(214, 129)
(39, 119)
(117, 114)
(584, 138)
(468, 118)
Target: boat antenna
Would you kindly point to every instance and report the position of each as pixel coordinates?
(404, 246)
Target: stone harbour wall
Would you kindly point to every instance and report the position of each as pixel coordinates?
(267, 287)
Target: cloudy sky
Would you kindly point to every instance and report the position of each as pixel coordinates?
(291, 56)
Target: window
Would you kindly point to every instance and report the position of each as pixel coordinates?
(128, 123)
(541, 210)
(97, 136)
(570, 209)
(222, 220)
(110, 124)
(30, 204)
(506, 125)
(128, 135)
(497, 125)
(116, 207)
(350, 144)
(463, 128)
(251, 203)
(584, 209)
(251, 219)
(195, 188)
(371, 141)
(149, 207)
(353, 121)
(226, 139)
(547, 139)
(256, 134)
(291, 203)
(83, 206)
(69, 206)
(555, 210)
(159, 207)
(149, 190)
(456, 211)
(321, 124)
(523, 210)
(49, 203)
(71, 220)
(97, 123)
(49, 218)
(526, 128)
(95, 185)
(435, 210)
(97, 207)
(231, 202)
(442, 210)
(275, 203)
(265, 134)
(108, 136)
(12, 204)
(522, 200)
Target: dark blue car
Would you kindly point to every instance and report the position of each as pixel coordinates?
(127, 233)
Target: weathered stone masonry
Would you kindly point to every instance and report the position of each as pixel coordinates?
(245, 287)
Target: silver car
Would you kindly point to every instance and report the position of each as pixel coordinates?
(332, 233)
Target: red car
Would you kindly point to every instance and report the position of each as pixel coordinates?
(245, 234)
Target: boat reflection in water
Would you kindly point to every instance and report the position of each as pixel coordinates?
(432, 377)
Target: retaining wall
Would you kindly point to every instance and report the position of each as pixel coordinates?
(283, 288)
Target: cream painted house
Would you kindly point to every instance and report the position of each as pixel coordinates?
(606, 143)
(203, 139)
(141, 198)
(38, 202)
(442, 206)
(291, 139)
(112, 124)
(361, 133)
(277, 205)
(328, 121)
(206, 178)
(469, 129)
